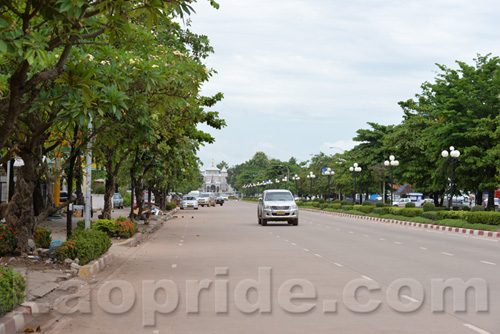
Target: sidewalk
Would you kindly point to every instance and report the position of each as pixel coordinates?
(46, 283)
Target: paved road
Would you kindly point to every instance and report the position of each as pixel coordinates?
(216, 270)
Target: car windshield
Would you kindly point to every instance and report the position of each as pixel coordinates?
(189, 198)
(204, 195)
(116, 196)
(284, 196)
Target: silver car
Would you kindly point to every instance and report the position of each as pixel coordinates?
(189, 201)
(117, 201)
(206, 199)
(277, 205)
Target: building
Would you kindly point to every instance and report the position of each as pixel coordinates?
(214, 180)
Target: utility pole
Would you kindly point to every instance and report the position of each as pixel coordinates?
(88, 181)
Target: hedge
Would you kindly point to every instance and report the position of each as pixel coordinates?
(428, 207)
(411, 212)
(452, 215)
(12, 288)
(85, 245)
(429, 214)
(410, 205)
(485, 217)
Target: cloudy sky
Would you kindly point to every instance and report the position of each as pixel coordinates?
(301, 76)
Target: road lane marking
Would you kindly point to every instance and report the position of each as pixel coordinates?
(286, 240)
(366, 277)
(328, 227)
(351, 232)
(181, 241)
(423, 248)
(484, 239)
(398, 243)
(338, 264)
(317, 255)
(293, 243)
(307, 250)
(477, 329)
(180, 244)
(410, 299)
(174, 266)
(338, 229)
(448, 254)
(381, 239)
(490, 263)
(366, 235)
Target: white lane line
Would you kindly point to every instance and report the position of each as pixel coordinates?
(338, 229)
(448, 254)
(484, 239)
(381, 239)
(398, 243)
(293, 243)
(174, 266)
(328, 227)
(286, 240)
(270, 232)
(351, 232)
(366, 277)
(477, 329)
(366, 235)
(338, 264)
(181, 241)
(490, 263)
(423, 248)
(307, 250)
(278, 236)
(410, 298)
(317, 255)
(180, 244)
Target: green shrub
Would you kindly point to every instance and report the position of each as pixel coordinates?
(366, 203)
(385, 210)
(356, 212)
(347, 207)
(440, 208)
(477, 208)
(85, 245)
(428, 207)
(42, 237)
(429, 214)
(396, 211)
(485, 217)
(8, 240)
(320, 200)
(451, 215)
(337, 201)
(122, 228)
(170, 205)
(127, 199)
(121, 219)
(379, 204)
(377, 210)
(337, 206)
(357, 207)
(105, 225)
(323, 206)
(315, 204)
(12, 288)
(344, 202)
(299, 203)
(410, 205)
(367, 208)
(465, 208)
(411, 212)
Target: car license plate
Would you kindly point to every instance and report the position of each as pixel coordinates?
(280, 213)
(190, 204)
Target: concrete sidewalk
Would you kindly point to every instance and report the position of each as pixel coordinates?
(44, 286)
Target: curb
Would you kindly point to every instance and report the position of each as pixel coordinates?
(13, 322)
(467, 231)
(97, 265)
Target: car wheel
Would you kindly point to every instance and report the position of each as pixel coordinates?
(259, 221)
(182, 208)
(295, 222)
(264, 222)
(196, 208)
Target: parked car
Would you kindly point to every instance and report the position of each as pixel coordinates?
(402, 202)
(189, 201)
(219, 200)
(277, 205)
(117, 201)
(63, 196)
(426, 200)
(225, 197)
(206, 199)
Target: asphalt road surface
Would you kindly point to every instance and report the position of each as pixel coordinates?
(215, 270)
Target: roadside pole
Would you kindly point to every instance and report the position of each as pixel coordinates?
(88, 180)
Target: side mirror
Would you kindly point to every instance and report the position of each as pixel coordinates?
(260, 199)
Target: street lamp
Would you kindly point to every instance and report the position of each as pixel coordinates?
(356, 169)
(285, 179)
(454, 155)
(393, 163)
(328, 172)
(296, 178)
(311, 176)
(277, 183)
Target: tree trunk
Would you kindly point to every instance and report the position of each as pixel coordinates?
(80, 200)
(132, 195)
(69, 215)
(108, 196)
(491, 200)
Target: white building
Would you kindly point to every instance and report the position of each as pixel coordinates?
(214, 179)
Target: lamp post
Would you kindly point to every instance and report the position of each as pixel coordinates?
(311, 176)
(328, 172)
(454, 154)
(393, 163)
(356, 169)
(285, 179)
(296, 178)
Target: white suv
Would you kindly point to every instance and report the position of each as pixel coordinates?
(277, 205)
(402, 202)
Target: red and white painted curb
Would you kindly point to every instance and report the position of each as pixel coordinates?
(467, 231)
(14, 322)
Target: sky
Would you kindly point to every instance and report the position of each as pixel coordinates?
(300, 77)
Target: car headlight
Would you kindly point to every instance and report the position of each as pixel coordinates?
(294, 207)
(267, 207)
